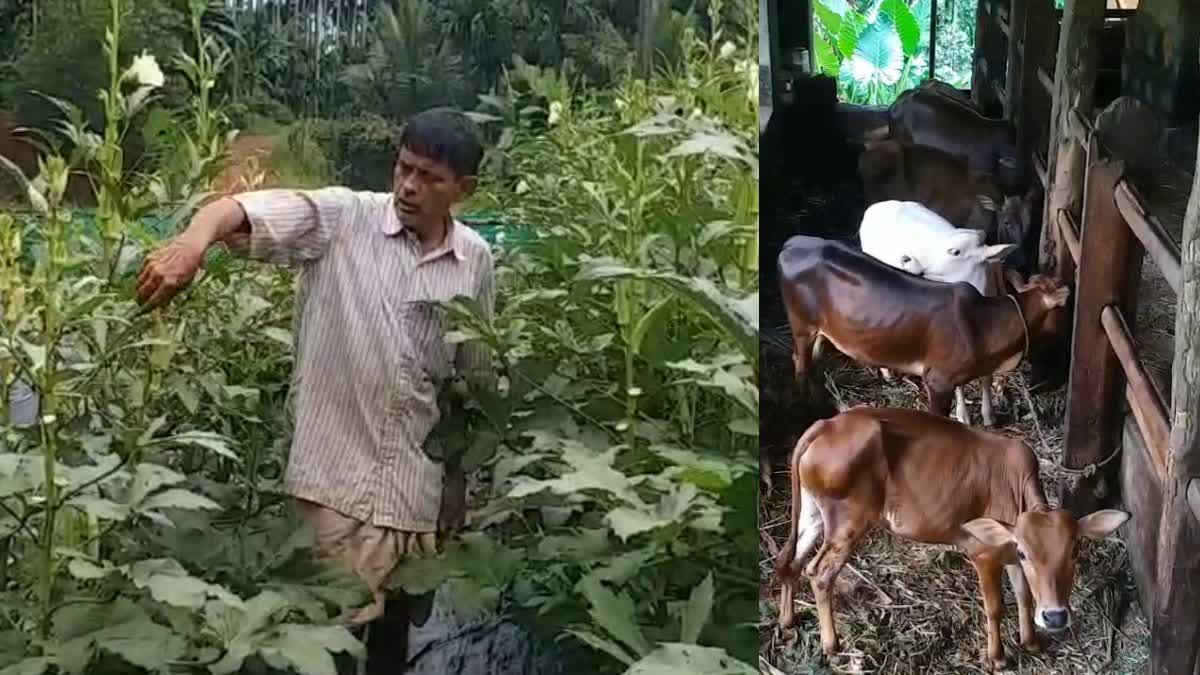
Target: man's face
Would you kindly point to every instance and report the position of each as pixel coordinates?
(424, 190)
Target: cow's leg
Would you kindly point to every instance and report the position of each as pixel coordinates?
(1029, 637)
(808, 531)
(940, 397)
(805, 366)
(842, 531)
(987, 566)
(962, 413)
(985, 401)
(764, 471)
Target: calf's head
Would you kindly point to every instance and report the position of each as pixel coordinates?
(962, 256)
(1045, 543)
(1047, 315)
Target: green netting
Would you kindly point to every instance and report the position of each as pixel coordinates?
(491, 225)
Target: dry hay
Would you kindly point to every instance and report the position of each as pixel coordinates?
(903, 607)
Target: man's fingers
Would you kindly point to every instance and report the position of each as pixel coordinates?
(148, 284)
(161, 295)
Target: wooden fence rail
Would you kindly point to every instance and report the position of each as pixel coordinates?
(1102, 232)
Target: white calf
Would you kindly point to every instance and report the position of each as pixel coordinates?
(913, 238)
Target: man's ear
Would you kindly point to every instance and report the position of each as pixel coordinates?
(467, 185)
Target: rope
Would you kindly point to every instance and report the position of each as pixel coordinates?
(1024, 324)
(1086, 471)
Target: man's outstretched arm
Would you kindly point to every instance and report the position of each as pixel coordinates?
(279, 226)
(171, 268)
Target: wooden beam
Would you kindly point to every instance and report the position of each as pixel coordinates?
(1141, 496)
(1079, 128)
(1074, 86)
(1047, 81)
(1193, 497)
(1175, 623)
(1070, 234)
(1160, 246)
(1144, 398)
(1039, 168)
(1002, 96)
(1109, 267)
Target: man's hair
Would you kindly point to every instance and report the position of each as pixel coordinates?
(447, 136)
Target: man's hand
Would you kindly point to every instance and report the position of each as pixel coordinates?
(454, 501)
(169, 270)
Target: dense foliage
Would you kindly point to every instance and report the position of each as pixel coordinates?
(142, 524)
(879, 48)
(622, 508)
(336, 59)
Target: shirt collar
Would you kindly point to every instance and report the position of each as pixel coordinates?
(453, 243)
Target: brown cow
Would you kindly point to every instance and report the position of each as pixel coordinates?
(932, 480)
(944, 184)
(948, 334)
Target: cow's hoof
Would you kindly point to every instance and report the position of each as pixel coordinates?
(1033, 645)
(996, 663)
(830, 648)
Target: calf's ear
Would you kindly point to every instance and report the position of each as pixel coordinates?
(1100, 524)
(1059, 297)
(990, 532)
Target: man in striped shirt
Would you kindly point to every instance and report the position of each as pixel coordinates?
(370, 349)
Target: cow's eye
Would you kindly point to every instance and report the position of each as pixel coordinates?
(905, 259)
(953, 251)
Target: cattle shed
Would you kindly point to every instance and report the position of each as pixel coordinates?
(1104, 96)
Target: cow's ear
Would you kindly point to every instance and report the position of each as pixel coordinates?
(986, 202)
(1100, 524)
(997, 252)
(990, 532)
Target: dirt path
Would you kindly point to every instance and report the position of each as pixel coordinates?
(247, 167)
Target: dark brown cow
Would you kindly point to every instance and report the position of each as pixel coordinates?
(944, 184)
(942, 89)
(948, 334)
(926, 117)
(932, 480)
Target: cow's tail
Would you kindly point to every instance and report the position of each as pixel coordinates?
(806, 524)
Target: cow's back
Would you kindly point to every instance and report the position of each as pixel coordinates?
(927, 452)
(928, 118)
(872, 312)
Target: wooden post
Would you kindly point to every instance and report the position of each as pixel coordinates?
(1074, 85)
(1175, 626)
(1016, 50)
(933, 16)
(1109, 267)
(1038, 32)
(647, 17)
(979, 80)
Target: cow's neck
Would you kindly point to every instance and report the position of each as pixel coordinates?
(1004, 328)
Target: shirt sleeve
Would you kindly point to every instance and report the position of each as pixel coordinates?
(475, 357)
(289, 227)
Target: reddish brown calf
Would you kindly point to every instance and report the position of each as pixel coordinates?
(932, 480)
